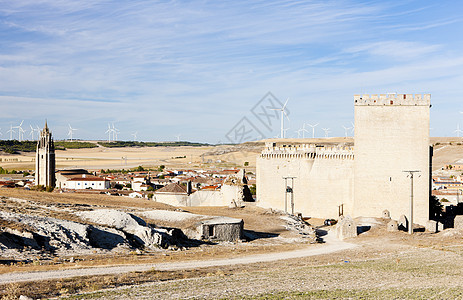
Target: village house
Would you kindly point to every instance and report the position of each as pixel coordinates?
(447, 183)
(173, 194)
(86, 181)
(141, 183)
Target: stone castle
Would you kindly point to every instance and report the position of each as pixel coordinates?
(45, 159)
(364, 179)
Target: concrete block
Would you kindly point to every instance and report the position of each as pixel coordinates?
(346, 228)
(431, 226)
(403, 223)
(386, 214)
(458, 222)
(440, 226)
(392, 226)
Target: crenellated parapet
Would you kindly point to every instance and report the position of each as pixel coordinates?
(393, 99)
(307, 151)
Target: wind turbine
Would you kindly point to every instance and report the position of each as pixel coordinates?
(326, 130)
(115, 132)
(38, 130)
(304, 131)
(458, 131)
(346, 129)
(109, 131)
(20, 131)
(283, 112)
(32, 132)
(178, 137)
(353, 127)
(134, 137)
(11, 131)
(313, 129)
(284, 132)
(70, 132)
(299, 133)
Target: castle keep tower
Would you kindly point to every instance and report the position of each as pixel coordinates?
(45, 159)
(391, 136)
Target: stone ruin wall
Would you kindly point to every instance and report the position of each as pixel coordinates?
(324, 178)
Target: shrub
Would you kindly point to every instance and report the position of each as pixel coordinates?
(38, 187)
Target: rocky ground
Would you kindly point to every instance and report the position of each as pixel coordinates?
(31, 229)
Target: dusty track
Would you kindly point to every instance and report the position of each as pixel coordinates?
(331, 245)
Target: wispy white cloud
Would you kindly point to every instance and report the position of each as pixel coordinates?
(401, 50)
(203, 63)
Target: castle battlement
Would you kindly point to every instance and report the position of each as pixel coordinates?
(307, 151)
(393, 99)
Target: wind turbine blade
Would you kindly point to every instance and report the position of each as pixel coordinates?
(284, 111)
(284, 106)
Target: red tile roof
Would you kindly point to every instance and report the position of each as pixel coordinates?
(173, 188)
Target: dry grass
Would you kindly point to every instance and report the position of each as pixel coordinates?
(375, 271)
(131, 258)
(69, 286)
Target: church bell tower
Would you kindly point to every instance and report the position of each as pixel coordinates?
(45, 159)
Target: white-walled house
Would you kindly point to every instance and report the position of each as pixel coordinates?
(86, 181)
(140, 183)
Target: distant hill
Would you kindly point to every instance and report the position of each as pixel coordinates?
(149, 144)
(14, 146)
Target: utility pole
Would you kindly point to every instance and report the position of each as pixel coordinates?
(289, 190)
(410, 223)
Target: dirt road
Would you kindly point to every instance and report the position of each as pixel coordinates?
(332, 244)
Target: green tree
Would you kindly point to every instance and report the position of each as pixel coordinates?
(246, 163)
(435, 208)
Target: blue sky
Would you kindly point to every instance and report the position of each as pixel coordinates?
(196, 68)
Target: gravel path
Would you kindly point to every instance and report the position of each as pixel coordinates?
(332, 244)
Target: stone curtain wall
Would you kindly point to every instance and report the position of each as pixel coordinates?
(324, 179)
